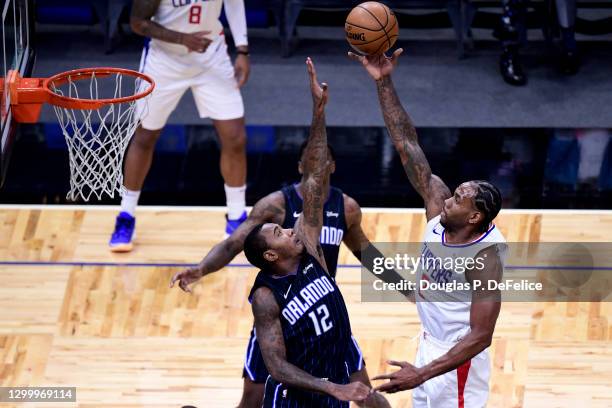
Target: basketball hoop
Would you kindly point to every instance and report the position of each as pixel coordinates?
(98, 112)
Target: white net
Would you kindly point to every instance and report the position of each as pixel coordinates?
(98, 138)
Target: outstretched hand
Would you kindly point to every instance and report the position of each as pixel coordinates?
(319, 91)
(407, 378)
(379, 65)
(186, 278)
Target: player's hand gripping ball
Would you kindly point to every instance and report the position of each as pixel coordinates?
(371, 28)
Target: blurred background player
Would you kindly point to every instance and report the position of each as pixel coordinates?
(188, 51)
(452, 363)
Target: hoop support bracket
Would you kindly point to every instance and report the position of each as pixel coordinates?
(27, 96)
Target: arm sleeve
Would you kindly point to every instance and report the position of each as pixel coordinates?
(236, 17)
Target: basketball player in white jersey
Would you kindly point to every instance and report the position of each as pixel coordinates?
(452, 366)
(188, 51)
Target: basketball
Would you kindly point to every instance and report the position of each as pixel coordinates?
(371, 28)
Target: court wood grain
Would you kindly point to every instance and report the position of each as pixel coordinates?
(125, 339)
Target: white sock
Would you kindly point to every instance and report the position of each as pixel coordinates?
(236, 203)
(129, 201)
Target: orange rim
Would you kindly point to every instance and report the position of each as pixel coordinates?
(86, 73)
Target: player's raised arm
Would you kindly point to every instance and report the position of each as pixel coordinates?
(315, 182)
(141, 23)
(272, 344)
(403, 134)
(268, 209)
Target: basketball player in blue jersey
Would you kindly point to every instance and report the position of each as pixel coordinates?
(301, 320)
(188, 51)
(452, 365)
(341, 223)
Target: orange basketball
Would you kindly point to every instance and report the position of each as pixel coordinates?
(371, 28)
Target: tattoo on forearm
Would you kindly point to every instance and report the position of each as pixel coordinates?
(223, 253)
(315, 161)
(396, 118)
(404, 136)
(154, 30)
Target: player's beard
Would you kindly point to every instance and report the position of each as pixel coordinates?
(444, 220)
(448, 224)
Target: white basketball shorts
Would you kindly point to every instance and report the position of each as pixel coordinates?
(209, 75)
(465, 387)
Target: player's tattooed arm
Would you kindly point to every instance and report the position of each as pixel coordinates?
(141, 23)
(269, 209)
(402, 132)
(355, 239)
(315, 184)
(359, 244)
(272, 345)
(404, 137)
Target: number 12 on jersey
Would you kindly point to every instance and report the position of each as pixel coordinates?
(324, 319)
(195, 14)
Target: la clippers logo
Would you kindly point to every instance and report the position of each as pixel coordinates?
(181, 3)
(435, 271)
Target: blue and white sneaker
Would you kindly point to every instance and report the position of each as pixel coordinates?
(121, 240)
(232, 225)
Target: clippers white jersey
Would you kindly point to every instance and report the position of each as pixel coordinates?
(446, 315)
(189, 16)
(209, 75)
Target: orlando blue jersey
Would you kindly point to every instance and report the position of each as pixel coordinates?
(334, 223)
(316, 330)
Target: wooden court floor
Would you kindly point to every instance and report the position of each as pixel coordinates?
(73, 314)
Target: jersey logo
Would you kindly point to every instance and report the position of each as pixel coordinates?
(181, 3)
(331, 235)
(307, 297)
(332, 214)
(309, 266)
(287, 294)
(434, 267)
